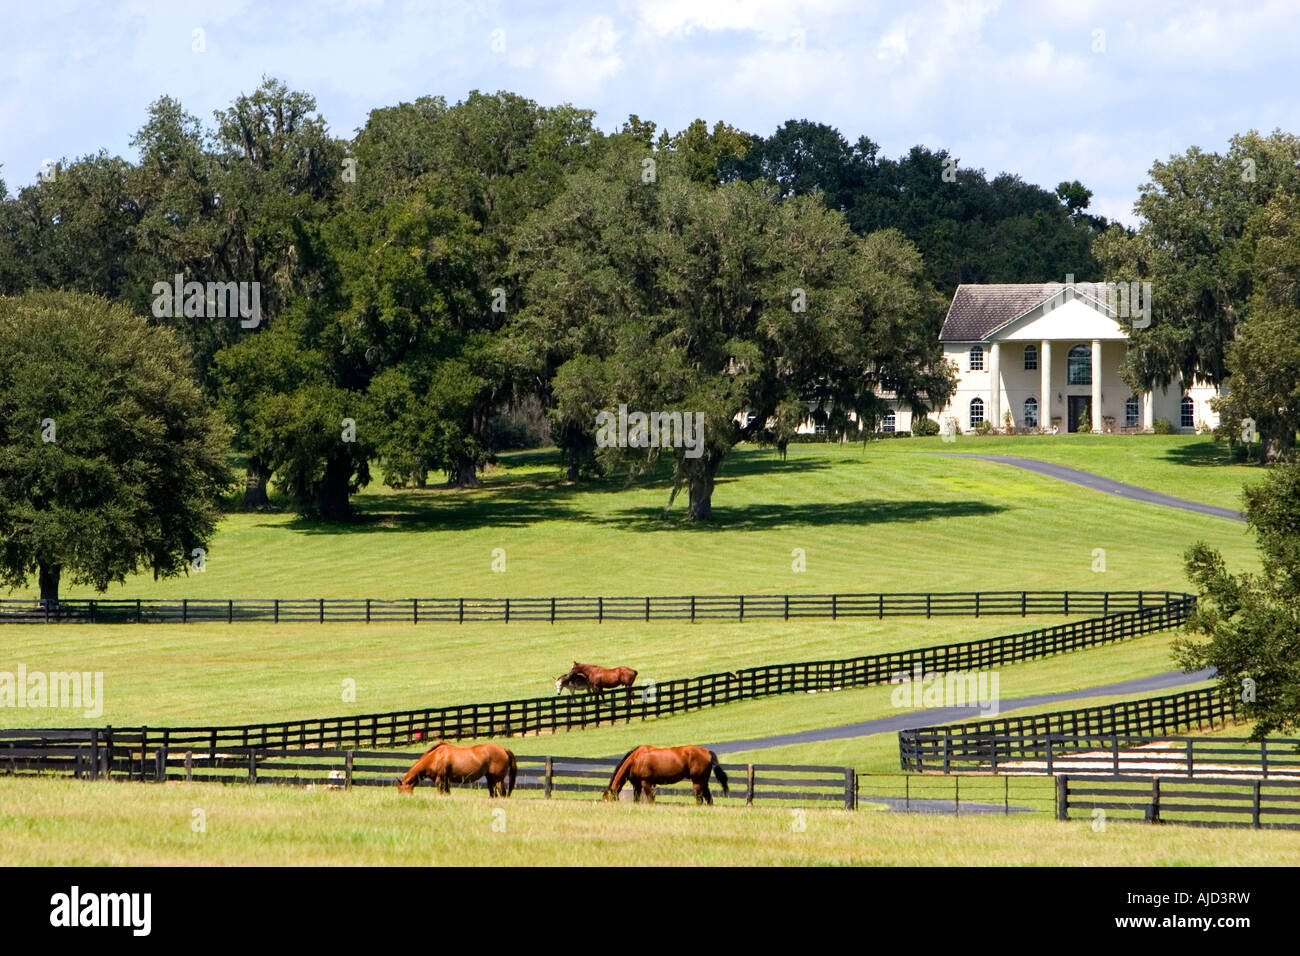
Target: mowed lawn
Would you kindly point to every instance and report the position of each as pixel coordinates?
(72, 823)
(219, 674)
(891, 516)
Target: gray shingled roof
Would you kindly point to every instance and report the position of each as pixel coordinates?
(977, 310)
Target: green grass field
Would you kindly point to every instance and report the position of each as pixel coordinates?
(891, 516)
(58, 822)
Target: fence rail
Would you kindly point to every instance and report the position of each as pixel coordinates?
(1033, 743)
(344, 769)
(1263, 804)
(652, 700)
(738, 607)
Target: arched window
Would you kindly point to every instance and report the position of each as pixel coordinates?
(1078, 366)
(888, 423)
(1132, 414)
(1031, 358)
(1031, 413)
(1188, 419)
(976, 358)
(976, 412)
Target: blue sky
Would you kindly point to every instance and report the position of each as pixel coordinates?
(1054, 90)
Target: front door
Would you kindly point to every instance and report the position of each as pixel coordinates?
(1079, 405)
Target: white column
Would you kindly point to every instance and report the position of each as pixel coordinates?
(1148, 418)
(1045, 378)
(995, 385)
(1096, 385)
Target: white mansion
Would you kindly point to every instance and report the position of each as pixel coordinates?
(1047, 356)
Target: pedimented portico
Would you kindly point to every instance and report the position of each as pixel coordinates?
(1047, 356)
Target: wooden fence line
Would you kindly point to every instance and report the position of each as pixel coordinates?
(552, 714)
(1262, 804)
(694, 608)
(982, 745)
(344, 769)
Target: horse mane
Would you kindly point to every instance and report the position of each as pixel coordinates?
(621, 764)
(440, 743)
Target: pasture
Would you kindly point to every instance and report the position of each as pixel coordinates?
(63, 822)
(890, 516)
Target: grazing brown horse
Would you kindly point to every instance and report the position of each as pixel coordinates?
(646, 767)
(442, 763)
(601, 679)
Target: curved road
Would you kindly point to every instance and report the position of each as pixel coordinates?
(1106, 485)
(944, 715)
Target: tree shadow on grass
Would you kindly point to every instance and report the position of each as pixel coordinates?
(505, 503)
(1206, 452)
(770, 517)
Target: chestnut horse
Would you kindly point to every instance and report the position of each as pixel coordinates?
(442, 763)
(647, 766)
(601, 679)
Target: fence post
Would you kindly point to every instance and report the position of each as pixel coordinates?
(347, 771)
(749, 785)
(189, 766)
(1155, 800)
(507, 610)
(1063, 797)
(956, 795)
(252, 766)
(277, 610)
(230, 611)
(1255, 815)
(367, 610)
(787, 607)
(833, 608)
(548, 783)
(1189, 757)
(160, 763)
(742, 606)
(947, 750)
(322, 611)
(185, 610)
(415, 610)
(94, 754)
(137, 610)
(850, 784)
(692, 608)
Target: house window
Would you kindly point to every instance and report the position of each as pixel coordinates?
(1188, 412)
(1132, 416)
(976, 358)
(1078, 366)
(976, 412)
(1031, 413)
(1031, 358)
(887, 423)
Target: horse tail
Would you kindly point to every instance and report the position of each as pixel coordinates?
(514, 769)
(620, 775)
(717, 772)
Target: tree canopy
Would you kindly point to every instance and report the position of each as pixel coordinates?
(111, 460)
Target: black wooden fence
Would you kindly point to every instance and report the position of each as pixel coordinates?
(1111, 755)
(738, 607)
(665, 698)
(1263, 804)
(1039, 739)
(339, 769)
